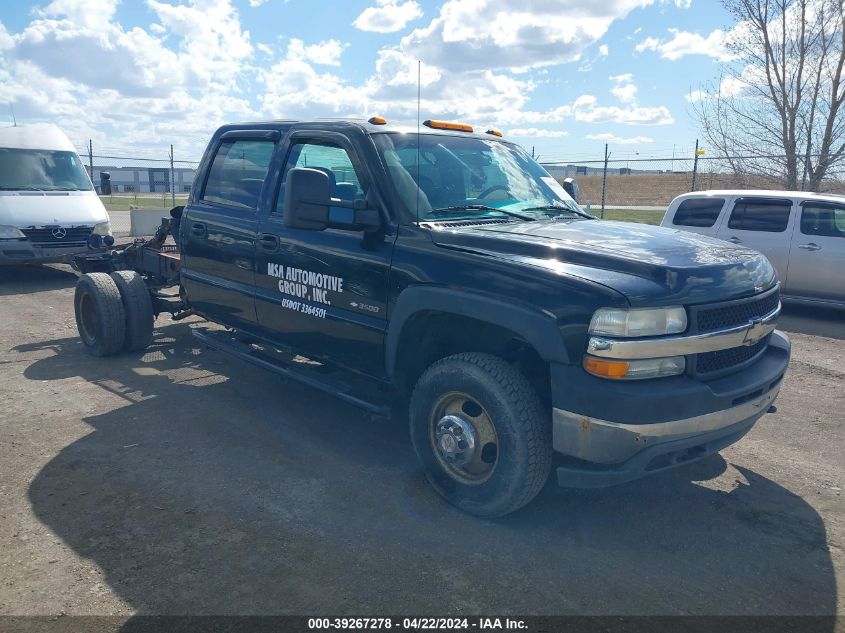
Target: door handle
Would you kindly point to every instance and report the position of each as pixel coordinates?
(735, 240)
(198, 229)
(812, 246)
(269, 242)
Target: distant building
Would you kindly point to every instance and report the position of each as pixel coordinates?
(573, 171)
(145, 179)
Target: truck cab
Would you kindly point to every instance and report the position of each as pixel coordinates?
(448, 271)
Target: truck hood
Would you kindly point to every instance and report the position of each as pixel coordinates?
(23, 209)
(677, 266)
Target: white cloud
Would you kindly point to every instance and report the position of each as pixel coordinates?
(388, 16)
(607, 137)
(542, 33)
(683, 43)
(212, 47)
(127, 84)
(533, 132)
(624, 88)
(326, 53)
(626, 93)
(195, 68)
(683, 4)
(586, 109)
(695, 95)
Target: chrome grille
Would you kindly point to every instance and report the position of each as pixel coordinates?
(51, 236)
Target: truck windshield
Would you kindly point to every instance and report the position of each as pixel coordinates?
(457, 177)
(41, 170)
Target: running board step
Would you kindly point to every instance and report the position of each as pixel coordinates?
(284, 365)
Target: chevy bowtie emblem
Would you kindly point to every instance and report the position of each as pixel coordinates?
(755, 332)
(59, 233)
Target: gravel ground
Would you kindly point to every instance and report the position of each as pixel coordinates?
(180, 481)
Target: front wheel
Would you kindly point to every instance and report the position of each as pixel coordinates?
(481, 433)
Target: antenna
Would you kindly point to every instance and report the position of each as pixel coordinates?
(12, 110)
(419, 83)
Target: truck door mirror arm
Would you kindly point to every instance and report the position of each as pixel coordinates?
(310, 206)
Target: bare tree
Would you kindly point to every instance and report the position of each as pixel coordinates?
(777, 107)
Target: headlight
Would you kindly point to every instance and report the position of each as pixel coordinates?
(10, 233)
(635, 369)
(103, 228)
(629, 323)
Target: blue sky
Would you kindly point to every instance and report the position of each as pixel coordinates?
(562, 76)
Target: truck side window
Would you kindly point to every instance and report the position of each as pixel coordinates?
(237, 173)
(823, 220)
(770, 216)
(331, 159)
(701, 212)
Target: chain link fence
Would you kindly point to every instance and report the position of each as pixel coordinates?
(640, 189)
(127, 182)
(631, 188)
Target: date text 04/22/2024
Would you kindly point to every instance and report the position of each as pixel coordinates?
(417, 624)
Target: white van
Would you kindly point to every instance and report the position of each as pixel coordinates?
(801, 233)
(48, 207)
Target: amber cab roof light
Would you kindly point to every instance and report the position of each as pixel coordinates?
(447, 125)
(377, 120)
(494, 132)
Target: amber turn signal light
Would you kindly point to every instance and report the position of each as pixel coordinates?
(447, 125)
(604, 368)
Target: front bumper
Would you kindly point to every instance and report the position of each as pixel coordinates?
(614, 437)
(25, 252)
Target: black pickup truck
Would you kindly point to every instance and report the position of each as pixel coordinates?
(446, 271)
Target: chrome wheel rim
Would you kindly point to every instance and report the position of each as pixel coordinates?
(463, 438)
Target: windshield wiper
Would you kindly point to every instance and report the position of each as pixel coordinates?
(479, 207)
(554, 207)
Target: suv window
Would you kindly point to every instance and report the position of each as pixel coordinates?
(333, 160)
(770, 216)
(237, 173)
(701, 212)
(823, 220)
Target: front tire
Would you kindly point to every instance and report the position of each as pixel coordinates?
(100, 317)
(481, 433)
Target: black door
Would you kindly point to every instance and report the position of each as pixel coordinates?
(325, 292)
(219, 229)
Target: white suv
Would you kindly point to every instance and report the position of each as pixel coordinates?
(802, 234)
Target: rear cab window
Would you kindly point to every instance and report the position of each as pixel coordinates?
(760, 214)
(698, 212)
(823, 219)
(237, 173)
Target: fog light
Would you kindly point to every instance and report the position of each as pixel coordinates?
(635, 369)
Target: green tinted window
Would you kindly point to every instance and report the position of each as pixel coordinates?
(334, 161)
(237, 173)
